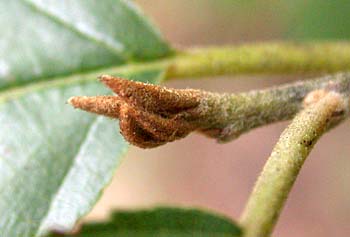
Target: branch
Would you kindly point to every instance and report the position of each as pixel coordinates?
(286, 160)
(269, 58)
(152, 115)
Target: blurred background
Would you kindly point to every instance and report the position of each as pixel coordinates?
(198, 172)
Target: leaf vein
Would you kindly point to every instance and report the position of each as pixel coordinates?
(84, 34)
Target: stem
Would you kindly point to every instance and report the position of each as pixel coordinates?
(231, 115)
(152, 115)
(285, 162)
(268, 58)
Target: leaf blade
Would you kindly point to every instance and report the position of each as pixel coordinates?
(45, 145)
(40, 45)
(162, 221)
(45, 185)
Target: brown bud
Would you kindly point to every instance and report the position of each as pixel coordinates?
(104, 105)
(149, 115)
(151, 97)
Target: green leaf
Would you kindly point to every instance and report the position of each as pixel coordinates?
(41, 39)
(162, 222)
(54, 160)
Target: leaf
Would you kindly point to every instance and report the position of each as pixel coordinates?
(54, 160)
(41, 39)
(162, 222)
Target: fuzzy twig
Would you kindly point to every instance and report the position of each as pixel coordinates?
(286, 160)
(152, 115)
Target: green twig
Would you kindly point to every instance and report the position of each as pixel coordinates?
(285, 162)
(270, 58)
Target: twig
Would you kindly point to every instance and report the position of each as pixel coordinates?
(152, 115)
(286, 160)
(268, 58)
